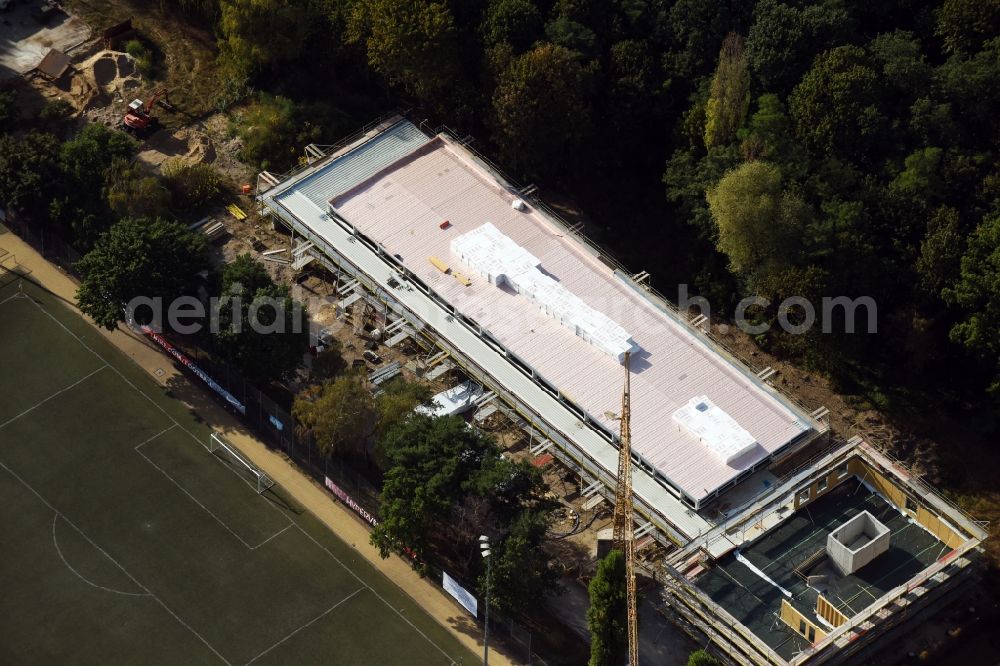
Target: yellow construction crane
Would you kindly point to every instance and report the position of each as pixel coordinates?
(623, 536)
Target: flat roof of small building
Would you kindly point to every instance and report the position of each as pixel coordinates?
(399, 187)
(756, 602)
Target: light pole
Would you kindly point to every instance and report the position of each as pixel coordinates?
(484, 547)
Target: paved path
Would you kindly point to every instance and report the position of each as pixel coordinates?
(313, 497)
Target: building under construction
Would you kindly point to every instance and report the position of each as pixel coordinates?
(481, 272)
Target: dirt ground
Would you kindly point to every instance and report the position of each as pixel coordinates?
(186, 53)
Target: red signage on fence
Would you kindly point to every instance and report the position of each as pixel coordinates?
(357, 508)
(349, 501)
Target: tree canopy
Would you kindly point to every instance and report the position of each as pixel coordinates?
(430, 460)
(338, 414)
(759, 223)
(606, 617)
(262, 330)
(410, 42)
(138, 257)
(541, 109)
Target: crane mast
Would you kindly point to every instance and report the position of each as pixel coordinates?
(623, 536)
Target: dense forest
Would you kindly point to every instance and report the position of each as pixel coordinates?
(771, 148)
(774, 148)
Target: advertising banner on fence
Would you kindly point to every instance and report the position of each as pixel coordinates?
(189, 364)
(461, 594)
(346, 499)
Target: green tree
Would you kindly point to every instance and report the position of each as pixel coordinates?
(28, 172)
(429, 461)
(191, 185)
(902, 63)
(940, 251)
(262, 330)
(411, 43)
(607, 618)
(784, 38)
(693, 31)
(977, 292)
(921, 175)
(273, 130)
(521, 569)
(90, 162)
(129, 192)
(258, 34)
(769, 136)
(541, 111)
(84, 158)
(564, 31)
(971, 85)
(963, 25)
(836, 106)
(395, 403)
(8, 109)
(730, 97)
(247, 272)
(339, 415)
(759, 223)
(139, 257)
(514, 22)
(701, 658)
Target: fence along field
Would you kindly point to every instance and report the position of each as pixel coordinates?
(126, 539)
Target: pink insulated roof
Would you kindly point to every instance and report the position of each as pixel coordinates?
(403, 207)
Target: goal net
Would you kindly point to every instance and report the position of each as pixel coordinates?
(228, 453)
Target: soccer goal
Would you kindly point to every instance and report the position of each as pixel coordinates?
(231, 456)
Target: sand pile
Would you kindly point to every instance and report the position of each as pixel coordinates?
(100, 79)
(112, 71)
(187, 145)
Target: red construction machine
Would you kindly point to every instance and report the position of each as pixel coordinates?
(139, 117)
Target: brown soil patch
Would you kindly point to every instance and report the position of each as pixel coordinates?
(187, 145)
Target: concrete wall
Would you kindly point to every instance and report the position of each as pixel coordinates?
(839, 543)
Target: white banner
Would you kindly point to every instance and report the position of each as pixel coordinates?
(461, 594)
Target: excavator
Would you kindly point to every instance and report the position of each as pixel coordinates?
(139, 116)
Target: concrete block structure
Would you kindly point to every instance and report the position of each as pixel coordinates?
(856, 543)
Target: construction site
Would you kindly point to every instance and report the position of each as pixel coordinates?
(774, 541)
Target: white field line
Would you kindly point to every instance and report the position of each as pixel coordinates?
(380, 597)
(116, 563)
(57, 393)
(309, 623)
(196, 500)
(310, 537)
(55, 543)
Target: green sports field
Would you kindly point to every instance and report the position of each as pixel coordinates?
(124, 540)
